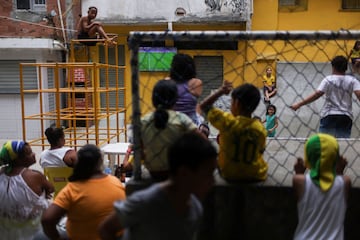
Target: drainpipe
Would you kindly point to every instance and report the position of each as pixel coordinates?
(170, 26)
(61, 21)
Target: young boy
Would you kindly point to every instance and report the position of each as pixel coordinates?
(88, 28)
(170, 209)
(322, 192)
(336, 116)
(242, 138)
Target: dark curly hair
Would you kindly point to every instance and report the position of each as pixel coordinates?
(53, 135)
(89, 160)
(182, 68)
(340, 64)
(248, 95)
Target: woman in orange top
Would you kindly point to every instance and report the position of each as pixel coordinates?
(86, 200)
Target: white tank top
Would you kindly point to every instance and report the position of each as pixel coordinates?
(321, 214)
(54, 157)
(20, 209)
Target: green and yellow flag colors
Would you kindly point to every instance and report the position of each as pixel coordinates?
(321, 156)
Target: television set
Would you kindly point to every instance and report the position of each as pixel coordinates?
(156, 59)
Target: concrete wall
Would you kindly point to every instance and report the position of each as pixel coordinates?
(239, 211)
(246, 211)
(164, 10)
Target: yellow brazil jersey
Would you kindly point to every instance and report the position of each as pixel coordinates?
(355, 54)
(269, 80)
(242, 143)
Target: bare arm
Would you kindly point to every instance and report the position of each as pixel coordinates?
(299, 178)
(347, 182)
(85, 26)
(276, 124)
(48, 187)
(50, 219)
(70, 158)
(38, 182)
(340, 167)
(357, 93)
(307, 100)
(299, 186)
(195, 87)
(109, 227)
(209, 101)
(127, 165)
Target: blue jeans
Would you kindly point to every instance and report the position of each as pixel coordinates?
(337, 125)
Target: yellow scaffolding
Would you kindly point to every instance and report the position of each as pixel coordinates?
(93, 119)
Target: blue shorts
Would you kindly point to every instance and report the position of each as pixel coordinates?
(337, 125)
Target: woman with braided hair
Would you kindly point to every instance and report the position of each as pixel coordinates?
(161, 127)
(23, 192)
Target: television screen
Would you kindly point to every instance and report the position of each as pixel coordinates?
(156, 58)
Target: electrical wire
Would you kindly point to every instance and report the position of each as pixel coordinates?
(36, 24)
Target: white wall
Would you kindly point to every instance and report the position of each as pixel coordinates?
(10, 104)
(135, 10)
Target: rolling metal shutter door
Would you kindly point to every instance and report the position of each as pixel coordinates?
(111, 76)
(210, 70)
(51, 96)
(10, 76)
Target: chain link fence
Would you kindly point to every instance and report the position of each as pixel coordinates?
(300, 60)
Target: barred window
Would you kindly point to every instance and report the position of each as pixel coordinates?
(293, 5)
(35, 5)
(23, 4)
(350, 4)
(288, 2)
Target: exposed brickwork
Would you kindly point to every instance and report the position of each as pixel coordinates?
(15, 23)
(79, 75)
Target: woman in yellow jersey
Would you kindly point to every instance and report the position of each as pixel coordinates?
(355, 57)
(269, 85)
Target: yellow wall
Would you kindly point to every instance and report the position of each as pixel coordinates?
(148, 80)
(320, 15)
(265, 15)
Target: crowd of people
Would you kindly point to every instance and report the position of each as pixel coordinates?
(181, 162)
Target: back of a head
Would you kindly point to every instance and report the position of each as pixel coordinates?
(340, 64)
(321, 156)
(182, 68)
(89, 160)
(190, 150)
(53, 135)
(248, 95)
(164, 97)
